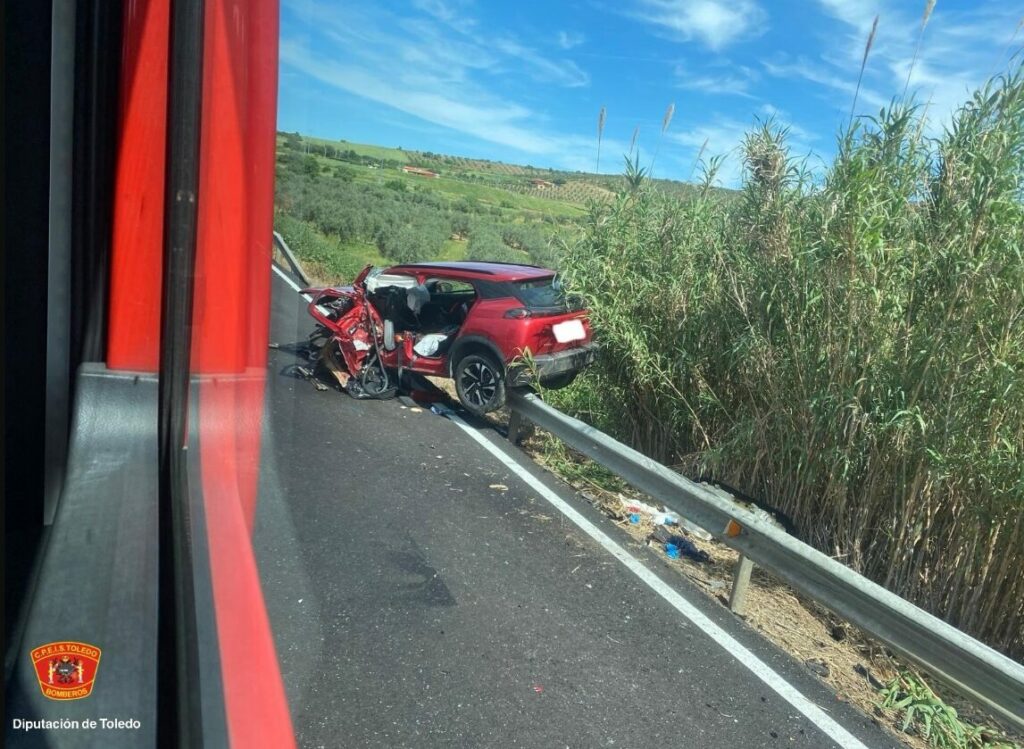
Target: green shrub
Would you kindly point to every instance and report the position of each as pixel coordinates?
(485, 244)
(344, 173)
(326, 256)
(309, 165)
(851, 350)
(413, 242)
(922, 712)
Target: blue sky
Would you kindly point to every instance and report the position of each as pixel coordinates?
(523, 82)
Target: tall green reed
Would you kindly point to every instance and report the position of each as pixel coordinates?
(848, 347)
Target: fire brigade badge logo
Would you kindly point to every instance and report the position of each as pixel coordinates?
(66, 670)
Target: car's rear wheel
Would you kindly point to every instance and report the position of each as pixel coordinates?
(480, 383)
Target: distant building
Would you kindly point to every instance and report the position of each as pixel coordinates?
(420, 172)
(541, 183)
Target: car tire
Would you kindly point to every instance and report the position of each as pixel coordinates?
(480, 384)
(559, 381)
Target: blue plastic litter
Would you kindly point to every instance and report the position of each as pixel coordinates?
(678, 546)
(634, 518)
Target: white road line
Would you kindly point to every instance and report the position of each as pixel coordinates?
(290, 282)
(760, 669)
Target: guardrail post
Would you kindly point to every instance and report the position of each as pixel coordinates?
(515, 423)
(740, 583)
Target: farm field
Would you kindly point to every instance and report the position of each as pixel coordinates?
(341, 205)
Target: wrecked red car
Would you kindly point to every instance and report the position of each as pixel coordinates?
(487, 326)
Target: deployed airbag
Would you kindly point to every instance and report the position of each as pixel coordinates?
(429, 344)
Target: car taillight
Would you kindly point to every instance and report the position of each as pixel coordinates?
(518, 313)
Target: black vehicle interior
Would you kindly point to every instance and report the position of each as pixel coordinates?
(431, 312)
(449, 302)
(434, 307)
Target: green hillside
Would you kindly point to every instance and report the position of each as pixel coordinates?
(342, 205)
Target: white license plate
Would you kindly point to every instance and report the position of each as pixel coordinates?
(570, 330)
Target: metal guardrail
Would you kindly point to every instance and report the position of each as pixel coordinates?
(290, 257)
(968, 666)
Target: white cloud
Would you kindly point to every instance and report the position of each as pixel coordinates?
(715, 23)
(824, 75)
(445, 13)
(860, 15)
(560, 72)
(434, 67)
(959, 50)
(437, 71)
(570, 39)
(481, 116)
(735, 81)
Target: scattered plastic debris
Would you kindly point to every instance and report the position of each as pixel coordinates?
(665, 518)
(498, 487)
(440, 409)
(685, 548)
(274, 345)
(694, 529)
(636, 506)
(538, 688)
(634, 518)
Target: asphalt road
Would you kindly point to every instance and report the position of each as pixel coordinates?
(413, 605)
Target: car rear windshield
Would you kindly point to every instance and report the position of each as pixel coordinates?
(545, 293)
